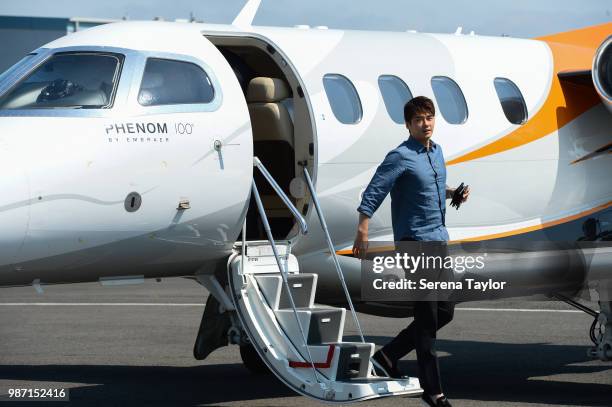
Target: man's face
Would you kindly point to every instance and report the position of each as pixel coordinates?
(421, 126)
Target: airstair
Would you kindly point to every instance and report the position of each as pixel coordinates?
(298, 340)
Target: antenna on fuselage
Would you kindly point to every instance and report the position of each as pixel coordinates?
(247, 14)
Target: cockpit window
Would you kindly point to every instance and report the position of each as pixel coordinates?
(13, 69)
(170, 82)
(68, 80)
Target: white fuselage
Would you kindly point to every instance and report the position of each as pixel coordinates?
(67, 173)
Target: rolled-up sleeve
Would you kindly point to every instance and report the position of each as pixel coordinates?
(382, 182)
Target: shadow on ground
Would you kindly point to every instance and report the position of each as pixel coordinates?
(147, 385)
(520, 373)
(479, 371)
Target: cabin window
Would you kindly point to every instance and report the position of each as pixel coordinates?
(170, 82)
(68, 80)
(395, 94)
(451, 101)
(343, 98)
(511, 100)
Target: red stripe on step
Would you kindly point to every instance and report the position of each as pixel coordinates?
(319, 365)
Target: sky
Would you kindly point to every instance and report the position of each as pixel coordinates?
(516, 18)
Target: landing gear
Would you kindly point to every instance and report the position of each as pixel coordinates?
(252, 361)
(601, 333)
(601, 328)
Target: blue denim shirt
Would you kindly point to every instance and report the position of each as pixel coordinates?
(416, 179)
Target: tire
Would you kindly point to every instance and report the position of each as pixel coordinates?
(252, 361)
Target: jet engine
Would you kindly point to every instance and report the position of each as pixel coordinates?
(602, 72)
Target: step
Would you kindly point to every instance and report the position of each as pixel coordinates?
(343, 370)
(258, 263)
(354, 360)
(302, 288)
(320, 325)
(340, 361)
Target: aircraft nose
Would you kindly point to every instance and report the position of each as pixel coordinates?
(14, 204)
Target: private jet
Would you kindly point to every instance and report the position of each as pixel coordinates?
(236, 155)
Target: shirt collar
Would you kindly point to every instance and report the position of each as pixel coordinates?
(420, 148)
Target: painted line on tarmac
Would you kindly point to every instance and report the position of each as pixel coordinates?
(166, 304)
(103, 304)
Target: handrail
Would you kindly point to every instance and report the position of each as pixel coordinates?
(296, 214)
(243, 248)
(264, 219)
(330, 245)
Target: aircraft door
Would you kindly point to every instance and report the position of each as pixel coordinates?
(209, 147)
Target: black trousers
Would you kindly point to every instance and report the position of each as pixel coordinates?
(429, 316)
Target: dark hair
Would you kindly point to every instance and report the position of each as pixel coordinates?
(419, 104)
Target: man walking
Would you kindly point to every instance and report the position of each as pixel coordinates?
(415, 174)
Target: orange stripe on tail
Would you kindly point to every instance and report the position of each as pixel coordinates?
(572, 51)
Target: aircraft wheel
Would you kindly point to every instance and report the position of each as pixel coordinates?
(252, 361)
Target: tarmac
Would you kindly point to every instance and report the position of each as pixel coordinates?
(132, 345)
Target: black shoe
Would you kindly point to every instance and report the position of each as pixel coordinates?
(390, 370)
(440, 402)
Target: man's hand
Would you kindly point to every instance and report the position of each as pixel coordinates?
(451, 191)
(466, 194)
(360, 246)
